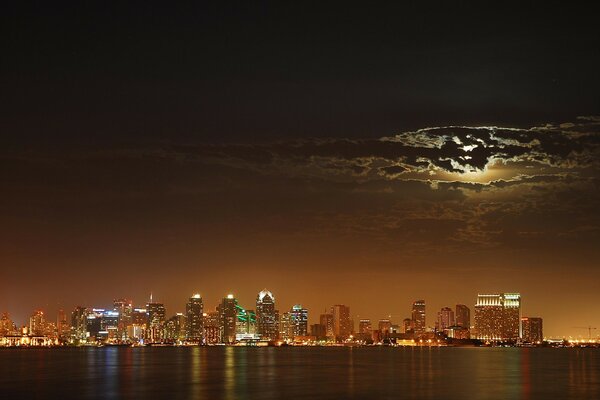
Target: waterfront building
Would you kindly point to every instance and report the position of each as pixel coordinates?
(266, 316)
(418, 317)
(385, 327)
(63, 330)
(109, 325)
(298, 321)
(532, 329)
(228, 313)
(285, 327)
(327, 321)
(125, 308)
(364, 327)
(498, 316)
(318, 331)
(79, 324)
(7, 326)
(194, 311)
(445, 319)
(245, 328)
(407, 325)
(136, 331)
(175, 329)
(463, 316)
(342, 324)
(37, 323)
(156, 320)
(212, 327)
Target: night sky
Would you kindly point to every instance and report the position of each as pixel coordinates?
(369, 156)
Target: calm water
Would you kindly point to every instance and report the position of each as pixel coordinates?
(300, 373)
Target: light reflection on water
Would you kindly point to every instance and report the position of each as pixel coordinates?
(289, 373)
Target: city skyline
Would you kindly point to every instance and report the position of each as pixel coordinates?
(363, 156)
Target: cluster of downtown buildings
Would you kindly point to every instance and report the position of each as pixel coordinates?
(497, 318)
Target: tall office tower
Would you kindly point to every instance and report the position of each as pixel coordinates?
(498, 316)
(109, 324)
(407, 325)
(78, 323)
(228, 319)
(175, 331)
(342, 325)
(139, 323)
(156, 321)
(285, 327)
(7, 326)
(327, 321)
(266, 316)
(298, 321)
(364, 327)
(532, 329)
(418, 317)
(385, 327)
(245, 324)
(194, 311)
(124, 307)
(37, 323)
(318, 331)
(62, 326)
(445, 318)
(212, 323)
(463, 316)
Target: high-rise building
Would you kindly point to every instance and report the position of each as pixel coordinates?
(364, 327)
(463, 316)
(124, 307)
(156, 321)
(445, 318)
(285, 327)
(266, 316)
(62, 326)
(175, 328)
(109, 325)
(327, 321)
(194, 311)
(245, 326)
(7, 326)
(298, 321)
(79, 324)
(407, 325)
(318, 331)
(37, 323)
(418, 317)
(498, 316)
(342, 324)
(137, 331)
(212, 323)
(532, 329)
(385, 327)
(228, 319)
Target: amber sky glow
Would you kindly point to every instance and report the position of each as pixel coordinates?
(370, 156)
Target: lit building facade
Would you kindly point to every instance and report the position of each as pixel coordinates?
(463, 316)
(498, 316)
(37, 323)
(156, 321)
(385, 327)
(194, 311)
(125, 308)
(532, 328)
(342, 324)
(175, 329)
(327, 321)
(267, 316)
(364, 327)
(228, 319)
(418, 317)
(445, 318)
(298, 321)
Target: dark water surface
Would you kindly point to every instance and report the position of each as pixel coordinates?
(300, 373)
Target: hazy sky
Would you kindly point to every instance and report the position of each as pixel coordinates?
(370, 157)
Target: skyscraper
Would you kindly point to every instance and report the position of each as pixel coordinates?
(125, 308)
(228, 315)
(445, 318)
(532, 329)
(37, 323)
(285, 327)
(342, 324)
(364, 327)
(327, 321)
(266, 315)
(418, 317)
(385, 327)
(62, 326)
(407, 325)
(194, 310)
(156, 321)
(498, 316)
(463, 316)
(298, 321)
(175, 328)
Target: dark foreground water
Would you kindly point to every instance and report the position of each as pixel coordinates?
(300, 373)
